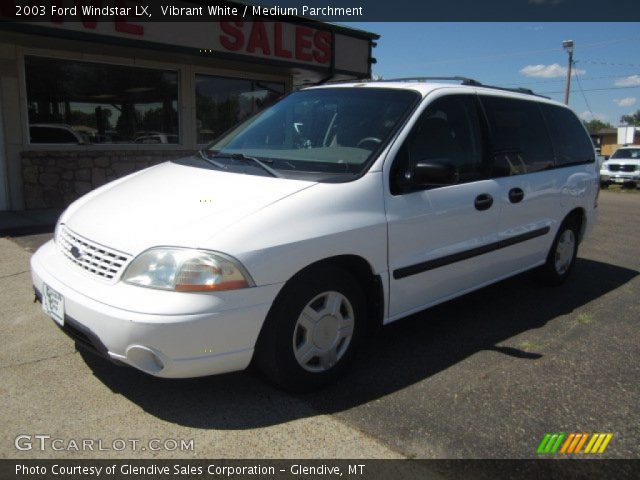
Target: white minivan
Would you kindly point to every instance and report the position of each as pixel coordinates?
(339, 208)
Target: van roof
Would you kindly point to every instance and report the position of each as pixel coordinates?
(426, 85)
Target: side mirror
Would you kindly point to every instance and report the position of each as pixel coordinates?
(438, 172)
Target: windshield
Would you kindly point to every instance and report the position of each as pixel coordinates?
(633, 153)
(335, 130)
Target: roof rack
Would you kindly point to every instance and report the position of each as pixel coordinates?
(528, 91)
(463, 81)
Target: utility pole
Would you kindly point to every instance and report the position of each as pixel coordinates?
(568, 46)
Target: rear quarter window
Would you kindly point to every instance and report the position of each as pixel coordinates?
(571, 143)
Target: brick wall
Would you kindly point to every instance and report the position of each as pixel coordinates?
(53, 179)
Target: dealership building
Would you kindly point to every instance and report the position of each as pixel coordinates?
(86, 102)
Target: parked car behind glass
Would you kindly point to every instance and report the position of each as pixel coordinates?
(55, 133)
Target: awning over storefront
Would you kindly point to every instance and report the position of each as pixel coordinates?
(309, 50)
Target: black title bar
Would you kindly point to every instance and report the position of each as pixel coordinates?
(322, 10)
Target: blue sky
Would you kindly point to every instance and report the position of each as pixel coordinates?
(607, 57)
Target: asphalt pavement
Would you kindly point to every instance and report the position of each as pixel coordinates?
(483, 376)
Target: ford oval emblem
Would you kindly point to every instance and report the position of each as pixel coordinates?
(76, 252)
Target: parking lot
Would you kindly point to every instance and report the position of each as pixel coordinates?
(484, 376)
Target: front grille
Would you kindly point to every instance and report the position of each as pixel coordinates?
(614, 167)
(103, 262)
(628, 168)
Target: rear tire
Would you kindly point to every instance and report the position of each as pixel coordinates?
(562, 255)
(312, 330)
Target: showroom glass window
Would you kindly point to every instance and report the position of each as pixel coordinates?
(222, 102)
(100, 103)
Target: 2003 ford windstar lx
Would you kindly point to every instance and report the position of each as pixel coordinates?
(338, 208)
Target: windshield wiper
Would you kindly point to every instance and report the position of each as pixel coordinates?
(211, 161)
(241, 156)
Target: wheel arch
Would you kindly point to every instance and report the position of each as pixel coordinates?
(579, 215)
(360, 268)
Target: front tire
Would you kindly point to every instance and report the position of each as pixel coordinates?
(562, 255)
(312, 329)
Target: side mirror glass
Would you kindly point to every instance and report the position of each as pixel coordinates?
(434, 172)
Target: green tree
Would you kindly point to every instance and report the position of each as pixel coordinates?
(159, 120)
(595, 125)
(633, 119)
(79, 117)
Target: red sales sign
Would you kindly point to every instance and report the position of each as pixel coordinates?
(269, 39)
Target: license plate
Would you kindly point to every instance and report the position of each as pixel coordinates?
(53, 304)
(618, 180)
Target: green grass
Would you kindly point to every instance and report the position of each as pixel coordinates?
(584, 318)
(621, 189)
(529, 346)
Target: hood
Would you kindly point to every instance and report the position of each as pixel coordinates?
(622, 161)
(173, 205)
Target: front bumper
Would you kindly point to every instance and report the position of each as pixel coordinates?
(166, 334)
(614, 177)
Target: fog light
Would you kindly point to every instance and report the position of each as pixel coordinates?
(144, 359)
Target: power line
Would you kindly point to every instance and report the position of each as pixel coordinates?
(584, 96)
(595, 89)
(608, 42)
(489, 58)
(610, 64)
(559, 80)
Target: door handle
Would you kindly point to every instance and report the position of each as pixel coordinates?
(516, 195)
(483, 201)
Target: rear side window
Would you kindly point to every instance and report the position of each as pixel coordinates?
(572, 145)
(519, 142)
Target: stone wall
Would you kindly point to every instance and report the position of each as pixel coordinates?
(54, 179)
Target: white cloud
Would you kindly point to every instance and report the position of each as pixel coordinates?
(630, 81)
(549, 71)
(625, 102)
(596, 116)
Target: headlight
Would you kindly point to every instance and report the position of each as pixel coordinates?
(186, 270)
